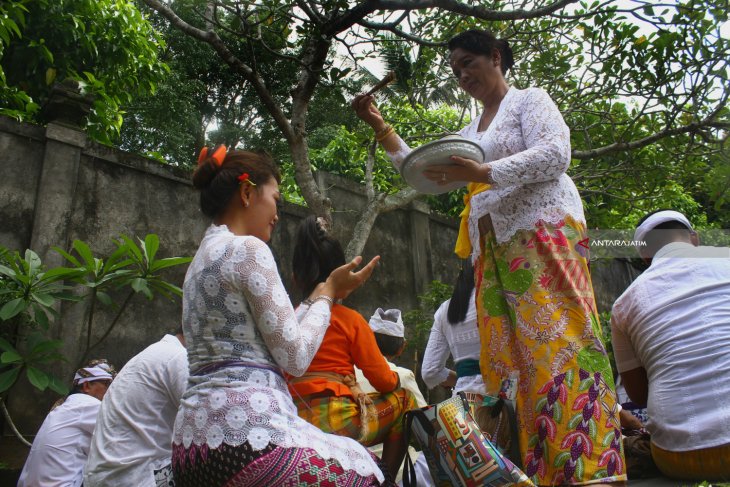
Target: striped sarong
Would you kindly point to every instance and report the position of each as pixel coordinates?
(341, 415)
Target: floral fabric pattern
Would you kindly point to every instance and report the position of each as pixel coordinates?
(537, 318)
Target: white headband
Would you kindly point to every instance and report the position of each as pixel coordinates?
(88, 374)
(387, 322)
(657, 219)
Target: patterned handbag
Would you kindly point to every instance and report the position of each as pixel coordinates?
(455, 449)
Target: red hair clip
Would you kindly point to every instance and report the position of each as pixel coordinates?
(244, 178)
(218, 155)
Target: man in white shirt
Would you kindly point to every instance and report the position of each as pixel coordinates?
(390, 337)
(671, 339)
(61, 446)
(132, 442)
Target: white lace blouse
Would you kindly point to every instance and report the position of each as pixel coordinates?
(528, 147)
(235, 308)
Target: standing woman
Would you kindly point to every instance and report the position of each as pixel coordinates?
(525, 230)
(237, 424)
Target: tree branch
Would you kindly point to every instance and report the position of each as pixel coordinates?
(709, 121)
(234, 62)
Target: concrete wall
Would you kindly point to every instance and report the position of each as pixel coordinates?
(58, 186)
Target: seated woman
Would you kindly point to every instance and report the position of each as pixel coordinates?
(237, 424)
(327, 395)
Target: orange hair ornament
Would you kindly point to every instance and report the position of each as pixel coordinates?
(218, 155)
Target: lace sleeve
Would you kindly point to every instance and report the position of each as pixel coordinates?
(547, 139)
(433, 369)
(398, 156)
(292, 342)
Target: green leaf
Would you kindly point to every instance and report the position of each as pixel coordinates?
(12, 308)
(57, 386)
(10, 357)
(151, 245)
(140, 285)
(38, 378)
(40, 316)
(8, 378)
(34, 262)
(68, 257)
(7, 271)
(46, 346)
(85, 252)
(104, 298)
(169, 262)
(43, 298)
(132, 248)
(6, 345)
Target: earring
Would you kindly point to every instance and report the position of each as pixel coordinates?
(245, 204)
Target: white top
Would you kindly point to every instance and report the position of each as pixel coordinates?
(59, 450)
(528, 146)
(460, 340)
(235, 307)
(674, 321)
(407, 382)
(133, 435)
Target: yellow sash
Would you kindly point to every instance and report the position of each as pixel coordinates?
(463, 244)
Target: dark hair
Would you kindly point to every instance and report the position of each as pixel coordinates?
(316, 255)
(218, 184)
(483, 42)
(388, 344)
(461, 297)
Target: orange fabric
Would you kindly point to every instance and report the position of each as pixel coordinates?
(348, 341)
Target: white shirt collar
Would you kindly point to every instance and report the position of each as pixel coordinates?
(672, 248)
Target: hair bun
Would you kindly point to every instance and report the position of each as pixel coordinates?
(204, 173)
(508, 59)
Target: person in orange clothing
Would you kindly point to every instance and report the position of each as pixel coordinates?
(328, 395)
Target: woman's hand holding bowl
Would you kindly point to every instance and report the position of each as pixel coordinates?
(462, 169)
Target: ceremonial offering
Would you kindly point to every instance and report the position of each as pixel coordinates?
(438, 153)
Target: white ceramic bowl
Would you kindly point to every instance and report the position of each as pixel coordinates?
(437, 153)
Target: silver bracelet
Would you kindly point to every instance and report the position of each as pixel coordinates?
(324, 297)
(308, 302)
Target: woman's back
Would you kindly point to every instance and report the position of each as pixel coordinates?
(348, 342)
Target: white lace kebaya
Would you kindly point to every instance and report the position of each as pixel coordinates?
(528, 147)
(235, 308)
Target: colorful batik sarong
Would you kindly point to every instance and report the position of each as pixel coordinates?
(341, 415)
(274, 466)
(537, 320)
